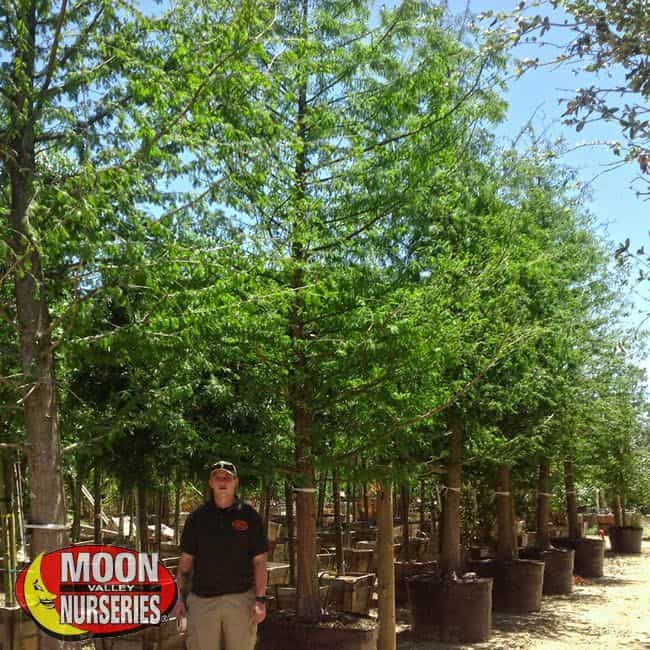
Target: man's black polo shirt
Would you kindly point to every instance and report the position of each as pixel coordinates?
(223, 542)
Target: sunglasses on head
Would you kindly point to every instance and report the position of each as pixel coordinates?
(228, 467)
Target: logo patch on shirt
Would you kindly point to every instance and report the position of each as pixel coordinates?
(239, 524)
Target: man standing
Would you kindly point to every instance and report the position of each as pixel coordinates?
(223, 552)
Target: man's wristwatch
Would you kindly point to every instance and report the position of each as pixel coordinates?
(261, 599)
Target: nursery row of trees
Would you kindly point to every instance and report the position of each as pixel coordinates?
(282, 233)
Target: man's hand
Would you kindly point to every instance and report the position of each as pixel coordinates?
(258, 612)
(179, 609)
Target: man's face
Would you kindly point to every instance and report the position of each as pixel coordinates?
(223, 483)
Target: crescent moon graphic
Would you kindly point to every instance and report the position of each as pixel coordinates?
(41, 603)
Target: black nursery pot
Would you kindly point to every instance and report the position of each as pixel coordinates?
(517, 584)
(626, 539)
(450, 611)
(558, 568)
(589, 557)
(281, 630)
(405, 569)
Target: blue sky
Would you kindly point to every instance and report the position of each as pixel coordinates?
(613, 202)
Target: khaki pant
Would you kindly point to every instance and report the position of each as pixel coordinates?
(221, 622)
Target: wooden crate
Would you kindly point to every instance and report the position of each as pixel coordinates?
(352, 594)
(275, 530)
(359, 560)
(286, 596)
(277, 573)
(326, 561)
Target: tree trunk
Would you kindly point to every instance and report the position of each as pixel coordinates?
(450, 559)
(624, 517)
(322, 489)
(405, 498)
(603, 500)
(132, 518)
(366, 504)
(97, 507)
(141, 510)
(8, 528)
(165, 502)
(422, 504)
(267, 495)
(571, 501)
(38, 383)
(120, 517)
(77, 501)
(338, 529)
(505, 523)
(513, 518)
(618, 511)
(177, 512)
(160, 508)
(308, 596)
(542, 540)
(387, 639)
(435, 509)
(288, 500)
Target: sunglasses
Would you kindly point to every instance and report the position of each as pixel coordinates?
(222, 464)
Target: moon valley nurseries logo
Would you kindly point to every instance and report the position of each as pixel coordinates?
(84, 591)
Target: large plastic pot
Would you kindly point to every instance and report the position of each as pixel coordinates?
(450, 611)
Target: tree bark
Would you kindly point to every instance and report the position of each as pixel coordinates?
(97, 507)
(267, 493)
(308, 597)
(436, 509)
(542, 540)
(132, 518)
(322, 489)
(165, 502)
(387, 639)
(450, 559)
(38, 382)
(338, 528)
(77, 500)
(160, 509)
(505, 523)
(366, 517)
(141, 510)
(404, 499)
(571, 501)
(288, 500)
(422, 504)
(177, 512)
(618, 511)
(8, 528)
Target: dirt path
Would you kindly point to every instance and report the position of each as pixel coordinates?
(612, 612)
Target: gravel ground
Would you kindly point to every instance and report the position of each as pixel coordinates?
(609, 612)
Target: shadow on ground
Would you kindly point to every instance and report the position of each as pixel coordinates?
(559, 616)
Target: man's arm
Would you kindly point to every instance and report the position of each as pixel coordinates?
(259, 576)
(183, 575)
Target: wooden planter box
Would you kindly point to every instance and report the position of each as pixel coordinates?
(326, 561)
(359, 560)
(275, 530)
(286, 597)
(352, 594)
(277, 573)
